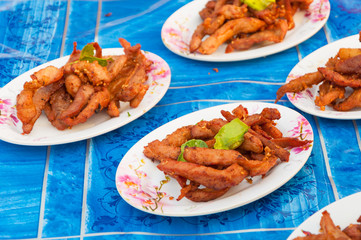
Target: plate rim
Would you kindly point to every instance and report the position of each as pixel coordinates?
(212, 211)
(204, 58)
(319, 113)
(332, 205)
(76, 138)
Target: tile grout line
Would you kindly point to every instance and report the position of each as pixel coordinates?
(232, 81)
(98, 20)
(46, 170)
(43, 194)
(357, 134)
(85, 192)
(164, 234)
(65, 28)
(217, 100)
(328, 169)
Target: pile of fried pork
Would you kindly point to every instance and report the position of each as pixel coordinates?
(208, 173)
(73, 93)
(330, 231)
(241, 26)
(340, 72)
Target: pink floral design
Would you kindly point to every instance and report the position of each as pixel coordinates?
(318, 10)
(302, 130)
(140, 193)
(174, 37)
(7, 112)
(301, 95)
(158, 70)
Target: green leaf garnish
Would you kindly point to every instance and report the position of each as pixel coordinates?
(87, 54)
(258, 5)
(230, 136)
(191, 143)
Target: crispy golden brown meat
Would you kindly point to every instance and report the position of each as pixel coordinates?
(207, 176)
(352, 101)
(209, 156)
(275, 34)
(160, 151)
(299, 84)
(39, 99)
(328, 94)
(214, 168)
(89, 85)
(179, 136)
(290, 142)
(228, 30)
(339, 79)
(205, 194)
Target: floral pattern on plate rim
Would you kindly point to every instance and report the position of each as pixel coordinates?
(7, 112)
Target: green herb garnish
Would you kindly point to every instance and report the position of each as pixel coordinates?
(191, 143)
(258, 5)
(230, 136)
(87, 54)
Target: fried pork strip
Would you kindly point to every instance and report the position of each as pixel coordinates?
(160, 151)
(352, 101)
(179, 136)
(299, 84)
(99, 100)
(339, 79)
(58, 102)
(328, 93)
(349, 66)
(209, 156)
(205, 194)
(41, 96)
(276, 34)
(228, 30)
(251, 143)
(283, 154)
(291, 142)
(206, 176)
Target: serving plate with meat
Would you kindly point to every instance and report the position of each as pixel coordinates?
(338, 220)
(320, 85)
(236, 32)
(82, 96)
(213, 176)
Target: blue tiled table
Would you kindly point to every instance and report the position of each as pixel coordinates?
(68, 191)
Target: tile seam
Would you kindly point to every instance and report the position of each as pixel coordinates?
(326, 160)
(99, 12)
(357, 134)
(65, 28)
(85, 192)
(43, 194)
(232, 81)
(218, 100)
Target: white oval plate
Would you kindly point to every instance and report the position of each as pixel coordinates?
(142, 185)
(44, 133)
(343, 212)
(178, 29)
(305, 100)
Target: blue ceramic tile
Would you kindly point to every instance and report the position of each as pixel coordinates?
(21, 180)
(344, 19)
(32, 33)
(64, 191)
(281, 234)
